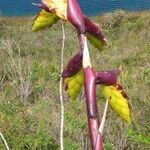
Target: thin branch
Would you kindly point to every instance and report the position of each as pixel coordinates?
(4, 140)
(101, 128)
(61, 89)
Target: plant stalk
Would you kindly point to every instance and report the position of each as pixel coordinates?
(101, 128)
(61, 90)
(5, 142)
(90, 94)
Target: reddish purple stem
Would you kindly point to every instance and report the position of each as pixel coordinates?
(90, 92)
(92, 108)
(75, 15)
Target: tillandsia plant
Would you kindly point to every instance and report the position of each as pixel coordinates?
(79, 71)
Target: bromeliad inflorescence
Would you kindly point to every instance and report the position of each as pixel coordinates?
(79, 72)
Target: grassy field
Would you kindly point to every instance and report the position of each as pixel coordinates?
(29, 86)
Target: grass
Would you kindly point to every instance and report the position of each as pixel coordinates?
(29, 86)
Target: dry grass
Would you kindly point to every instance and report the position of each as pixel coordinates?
(29, 87)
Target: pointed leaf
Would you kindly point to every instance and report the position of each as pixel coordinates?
(94, 34)
(44, 19)
(118, 101)
(95, 41)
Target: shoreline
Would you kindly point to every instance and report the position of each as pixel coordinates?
(23, 20)
(96, 15)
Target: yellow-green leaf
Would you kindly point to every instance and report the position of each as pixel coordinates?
(97, 43)
(44, 19)
(74, 85)
(59, 7)
(118, 101)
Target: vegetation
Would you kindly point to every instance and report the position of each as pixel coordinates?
(29, 81)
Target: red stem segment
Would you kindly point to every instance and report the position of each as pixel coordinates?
(90, 92)
(75, 15)
(92, 108)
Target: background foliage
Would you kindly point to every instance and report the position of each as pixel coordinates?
(29, 81)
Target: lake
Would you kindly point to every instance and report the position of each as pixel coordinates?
(89, 7)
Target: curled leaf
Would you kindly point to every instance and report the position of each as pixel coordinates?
(107, 77)
(74, 65)
(118, 101)
(44, 19)
(94, 34)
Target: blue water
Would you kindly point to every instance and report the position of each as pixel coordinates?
(89, 7)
